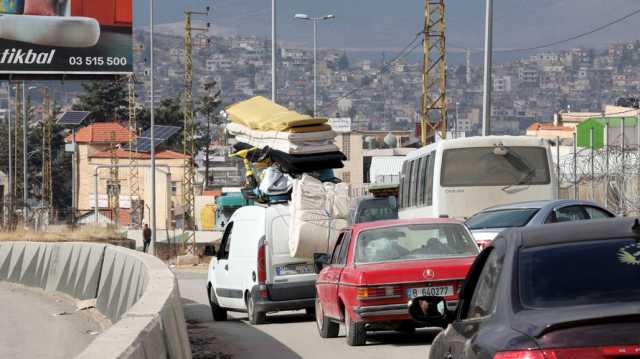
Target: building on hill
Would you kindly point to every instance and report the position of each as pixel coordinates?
(94, 144)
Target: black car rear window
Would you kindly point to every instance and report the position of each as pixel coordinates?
(597, 272)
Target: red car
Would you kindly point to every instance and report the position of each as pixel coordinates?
(377, 267)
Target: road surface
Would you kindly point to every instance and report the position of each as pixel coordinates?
(35, 324)
(289, 335)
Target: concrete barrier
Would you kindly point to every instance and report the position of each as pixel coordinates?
(137, 292)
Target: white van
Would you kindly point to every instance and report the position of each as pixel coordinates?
(253, 270)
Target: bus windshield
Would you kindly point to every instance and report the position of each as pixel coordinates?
(485, 166)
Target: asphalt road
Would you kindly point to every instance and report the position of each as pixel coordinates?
(287, 335)
(31, 325)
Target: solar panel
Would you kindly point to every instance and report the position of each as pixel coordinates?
(140, 145)
(73, 118)
(162, 133)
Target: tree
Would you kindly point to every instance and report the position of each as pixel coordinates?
(343, 62)
(208, 107)
(105, 100)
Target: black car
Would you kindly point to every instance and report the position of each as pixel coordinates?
(558, 291)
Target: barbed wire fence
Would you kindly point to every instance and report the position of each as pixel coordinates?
(609, 176)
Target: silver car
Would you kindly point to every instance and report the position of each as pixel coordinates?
(486, 224)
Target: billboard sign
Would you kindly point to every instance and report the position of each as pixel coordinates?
(81, 37)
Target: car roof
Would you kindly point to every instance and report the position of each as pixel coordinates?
(396, 222)
(540, 204)
(572, 232)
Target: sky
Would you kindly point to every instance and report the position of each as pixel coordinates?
(382, 25)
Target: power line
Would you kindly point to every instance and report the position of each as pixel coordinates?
(402, 54)
(569, 39)
(579, 36)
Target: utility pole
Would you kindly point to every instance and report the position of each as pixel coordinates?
(47, 127)
(134, 178)
(434, 72)
(189, 146)
(488, 65)
(113, 184)
(468, 59)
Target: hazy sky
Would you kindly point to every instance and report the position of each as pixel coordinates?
(377, 25)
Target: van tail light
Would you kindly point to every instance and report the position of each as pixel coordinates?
(521, 354)
(385, 292)
(262, 263)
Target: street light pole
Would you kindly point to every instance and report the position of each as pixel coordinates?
(315, 54)
(10, 207)
(152, 209)
(274, 48)
(315, 68)
(25, 189)
(488, 64)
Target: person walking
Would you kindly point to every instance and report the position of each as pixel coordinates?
(146, 236)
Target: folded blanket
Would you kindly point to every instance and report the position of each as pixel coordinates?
(258, 113)
(301, 137)
(291, 147)
(298, 164)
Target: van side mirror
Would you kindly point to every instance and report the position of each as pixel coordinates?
(432, 310)
(320, 260)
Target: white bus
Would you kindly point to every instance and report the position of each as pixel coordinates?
(458, 178)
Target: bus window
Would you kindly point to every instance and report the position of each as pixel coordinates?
(482, 166)
(413, 180)
(422, 178)
(431, 159)
(404, 189)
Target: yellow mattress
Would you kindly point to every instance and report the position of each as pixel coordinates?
(258, 113)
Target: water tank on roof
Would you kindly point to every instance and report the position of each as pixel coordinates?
(390, 140)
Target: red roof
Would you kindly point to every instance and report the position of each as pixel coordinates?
(548, 127)
(161, 155)
(400, 222)
(102, 132)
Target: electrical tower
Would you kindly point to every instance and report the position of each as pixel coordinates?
(134, 178)
(47, 127)
(188, 183)
(113, 183)
(434, 72)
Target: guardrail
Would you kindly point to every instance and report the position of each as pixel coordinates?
(137, 292)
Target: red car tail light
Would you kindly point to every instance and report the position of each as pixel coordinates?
(610, 352)
(378, 292)
(520, 354)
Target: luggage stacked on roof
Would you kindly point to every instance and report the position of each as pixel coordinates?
(290, 157)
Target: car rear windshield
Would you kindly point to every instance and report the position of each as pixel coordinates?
(598, 272)
(507, 218)
(486, 166)
(375, 210)
(414, 241)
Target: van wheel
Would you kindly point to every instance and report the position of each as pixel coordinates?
(356, 333)
(254, 317)
(219, 314)
(326, 328)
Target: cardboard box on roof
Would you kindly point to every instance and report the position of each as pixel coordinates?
(258, 113)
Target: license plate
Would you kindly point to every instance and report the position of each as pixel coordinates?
(443, 291)
(293, 269)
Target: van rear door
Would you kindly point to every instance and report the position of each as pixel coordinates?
(288, 278)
